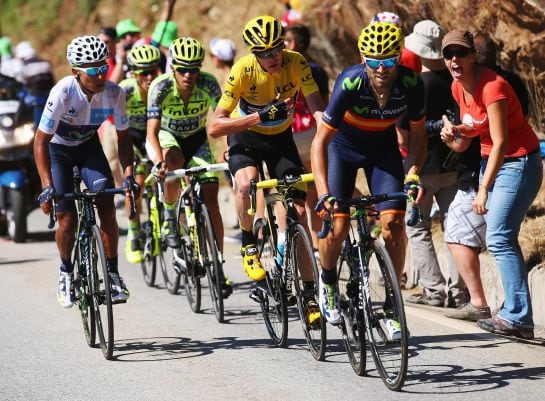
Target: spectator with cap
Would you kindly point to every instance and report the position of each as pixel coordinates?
(223, 53)
(165, 32)
(6, 57)
(36, 75)
(128, 33)
(438, 175)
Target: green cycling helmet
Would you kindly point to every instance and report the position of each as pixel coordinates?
(187, 52)
(144, 56)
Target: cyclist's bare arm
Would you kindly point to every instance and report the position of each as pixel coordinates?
(41, 155)
(316, 105)
(126, 151)
(223, 124)
(318, 157)
(418, 145)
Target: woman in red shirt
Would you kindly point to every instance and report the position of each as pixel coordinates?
(511, 172)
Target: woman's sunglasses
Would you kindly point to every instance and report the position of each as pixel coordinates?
(94, 71)
(459, 52)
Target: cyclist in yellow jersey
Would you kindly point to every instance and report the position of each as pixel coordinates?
(178, 103)
(144, 64)
(256, 111)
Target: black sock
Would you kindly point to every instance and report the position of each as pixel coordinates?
(329, 276)
(112, 265)
(66, 266)
(247, 237)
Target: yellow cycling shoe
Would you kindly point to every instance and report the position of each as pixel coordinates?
(312, 312)
(252, 264)
(132, 251)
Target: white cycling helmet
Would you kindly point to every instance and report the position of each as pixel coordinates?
(86, 49)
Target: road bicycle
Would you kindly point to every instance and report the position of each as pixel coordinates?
(283, 279)
(369, 295)
(199, 254)
(91, 285)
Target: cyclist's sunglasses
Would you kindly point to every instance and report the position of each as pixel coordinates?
(94, 71)
(459, 52)
(375, 64)
(270, 53)
(146, 73)
(184, 70)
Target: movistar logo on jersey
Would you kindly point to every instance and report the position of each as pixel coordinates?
(410, 80)
(350, 85)
(360, 110)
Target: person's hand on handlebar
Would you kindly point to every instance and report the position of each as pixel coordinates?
(325, 206)
(45, 198)
(160, 170)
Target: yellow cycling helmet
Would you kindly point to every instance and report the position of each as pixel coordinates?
(144, 56)
(380, 39)
(263, 33)
(187, 52)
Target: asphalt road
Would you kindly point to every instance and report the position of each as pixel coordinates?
(163, 351)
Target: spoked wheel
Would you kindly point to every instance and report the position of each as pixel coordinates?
(301, 255)
(353, 323)
(273, 298)
(84, 300)
(100, 290)
(385, 319)
(149, 246)
(171, 272)
(186, 256)
(210, 255)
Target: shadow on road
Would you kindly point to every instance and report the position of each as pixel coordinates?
(464, 378)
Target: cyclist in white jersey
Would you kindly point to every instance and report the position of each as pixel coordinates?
(67, 138)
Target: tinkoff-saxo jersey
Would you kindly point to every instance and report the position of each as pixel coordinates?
(136, 106)
(72, 119)
(249, 88)
(354, 111)
(178, 118)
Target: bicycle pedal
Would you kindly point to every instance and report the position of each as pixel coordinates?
(120, 301)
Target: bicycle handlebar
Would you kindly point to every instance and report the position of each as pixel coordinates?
(287, 181)
(369, 200)
(184, 172)
(88, 195)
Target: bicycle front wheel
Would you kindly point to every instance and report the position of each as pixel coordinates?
(149, 246)
(353, 323)
(84, 300)
(302, 254)
(211, 259)
(385, 318)
(102, 299)
(272, 298)
(186, 255)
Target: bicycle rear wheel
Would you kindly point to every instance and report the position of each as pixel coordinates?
(102, 299)
(385, 302)
(302, 254)
(171, 273)
(84, 300)
(353, 323)
(211, 258)
(273, 298)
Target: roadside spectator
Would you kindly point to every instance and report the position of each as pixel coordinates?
(128, 33)
(303, 125)
(36, 75)
(223, 52)
(6, 57)
(510, 176)
(109, 36)
(438, 180)
(165, 32)
(465, 230)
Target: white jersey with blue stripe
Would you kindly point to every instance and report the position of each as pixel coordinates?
(72, 119)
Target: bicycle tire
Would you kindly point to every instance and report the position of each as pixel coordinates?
(390, 356)
(190, 281)
(84, 300)
(149, 247)
(102, 299)
(301, 253)
(211, 257)
(273, 301)
(166, 258)
(353, 322)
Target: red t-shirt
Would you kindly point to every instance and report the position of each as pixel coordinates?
(411, 60)
(492, 88)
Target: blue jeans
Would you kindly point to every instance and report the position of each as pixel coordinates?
(515, 188)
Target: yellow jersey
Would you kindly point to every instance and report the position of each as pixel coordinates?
(249, 88)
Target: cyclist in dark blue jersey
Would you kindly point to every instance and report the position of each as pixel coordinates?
(358, 131)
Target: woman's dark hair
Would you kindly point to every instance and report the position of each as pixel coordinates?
(302, 36)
